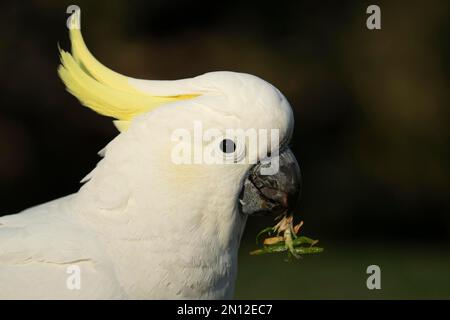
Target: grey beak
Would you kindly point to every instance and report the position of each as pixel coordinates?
(276, 193)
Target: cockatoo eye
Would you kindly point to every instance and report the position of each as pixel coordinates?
(227, 146)
(232, 150)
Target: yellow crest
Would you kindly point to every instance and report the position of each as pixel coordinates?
(101, 89)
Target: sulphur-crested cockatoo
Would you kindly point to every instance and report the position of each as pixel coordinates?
(144, 225)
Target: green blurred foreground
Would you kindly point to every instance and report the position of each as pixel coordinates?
(409, 272)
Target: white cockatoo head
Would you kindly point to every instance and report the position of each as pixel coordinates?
(160, 174)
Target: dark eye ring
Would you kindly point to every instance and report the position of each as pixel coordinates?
(227, 146)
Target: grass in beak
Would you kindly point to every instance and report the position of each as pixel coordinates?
(284, 237)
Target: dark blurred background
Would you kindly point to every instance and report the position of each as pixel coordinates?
(371, 108)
